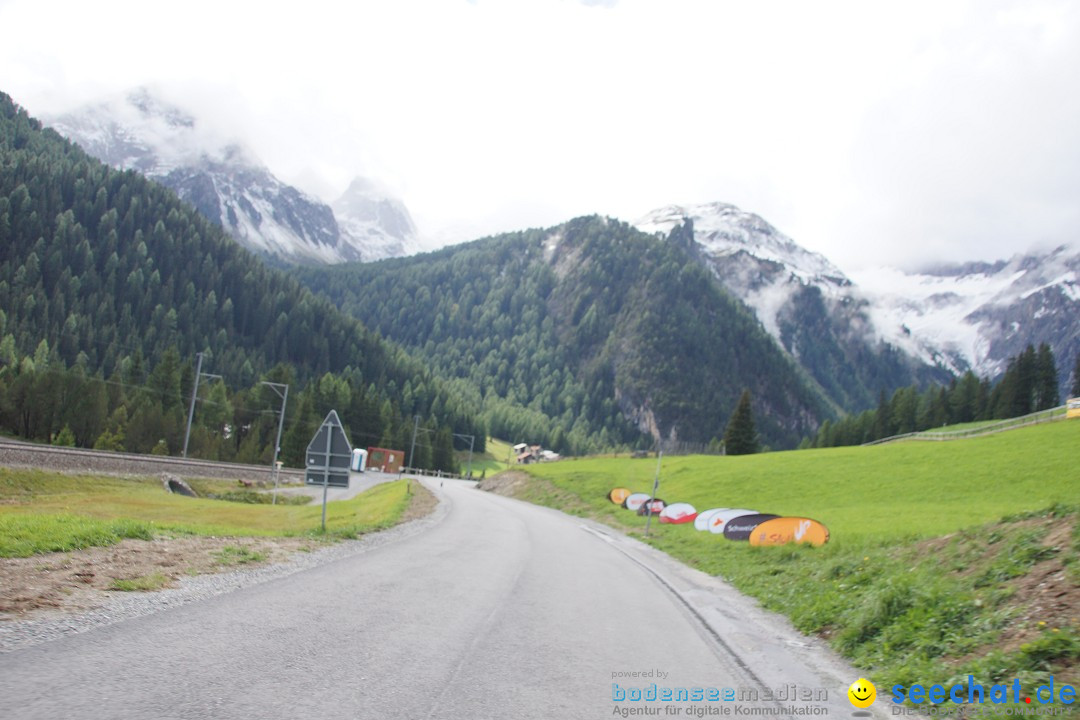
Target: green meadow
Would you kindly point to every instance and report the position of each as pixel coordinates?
(497, 457)
(942, 557)
(900, 490)
(46, 512)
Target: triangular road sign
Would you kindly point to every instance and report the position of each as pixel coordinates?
(328, 454)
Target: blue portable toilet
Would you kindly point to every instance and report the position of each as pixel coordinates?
(359, 460)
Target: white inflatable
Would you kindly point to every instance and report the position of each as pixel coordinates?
(701, 522)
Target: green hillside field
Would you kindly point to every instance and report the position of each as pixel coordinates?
(945, 558)
(496, 458)
(44, 512)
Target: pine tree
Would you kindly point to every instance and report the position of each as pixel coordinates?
(64, 438)
(1046, 382)
(741, 437)
(1026, 375)
(1076, 378)
(882, 419)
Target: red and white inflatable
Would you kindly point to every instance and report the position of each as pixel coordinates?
(678, 513)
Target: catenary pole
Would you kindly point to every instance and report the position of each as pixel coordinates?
(281, 422)
(194, 394)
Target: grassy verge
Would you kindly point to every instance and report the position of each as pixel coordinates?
(492, 461)
(235, 555)
(47, 512)
(945, 559)
(143, 583)
(26, 535)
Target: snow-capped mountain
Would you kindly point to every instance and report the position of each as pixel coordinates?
(979, 315)
(376, 221)
(234, 189)
(805, 302)
(759, 264)
(975, 316)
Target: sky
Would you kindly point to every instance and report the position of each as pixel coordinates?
(907, 134)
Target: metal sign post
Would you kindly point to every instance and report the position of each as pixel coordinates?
(655, 487)
(328, 456)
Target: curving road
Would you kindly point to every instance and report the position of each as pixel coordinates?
(500, 610)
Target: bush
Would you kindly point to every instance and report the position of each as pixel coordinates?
(64, 438)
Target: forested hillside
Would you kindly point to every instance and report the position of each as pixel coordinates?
(1030, 384)
(109, 285)
(583, 336)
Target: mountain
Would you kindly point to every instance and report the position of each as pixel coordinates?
(583, 336)
(807, 304)
(104, 273)
(232, 188)
(375, 221)
(978, 315)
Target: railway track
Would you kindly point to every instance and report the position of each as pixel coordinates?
(25, 454)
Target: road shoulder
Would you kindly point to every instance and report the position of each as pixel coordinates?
(48, 596)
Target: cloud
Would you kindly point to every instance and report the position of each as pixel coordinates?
(872, 133)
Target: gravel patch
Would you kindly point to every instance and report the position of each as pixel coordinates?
(18, 634)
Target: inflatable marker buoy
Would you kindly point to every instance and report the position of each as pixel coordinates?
(701, 522)
(654, 506)
(718, 521)
(784, 530)
(741, 527)
(678, 513)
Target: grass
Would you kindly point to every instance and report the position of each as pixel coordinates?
(875, 493)
(974, 425)
(236, 555)
(144, 583)
(999, 424)
(491, 461)
(47, 512)
(936, 556)
(252, 497)
(26, 535)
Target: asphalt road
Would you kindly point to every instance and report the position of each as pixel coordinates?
(500, 610)
(358, 483)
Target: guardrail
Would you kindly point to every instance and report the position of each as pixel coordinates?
(435, 474)
(1036, 418)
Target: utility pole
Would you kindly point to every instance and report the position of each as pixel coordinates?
(472, 439)
(199, 374)
(276, 387)
(415, 427)
(194, 394)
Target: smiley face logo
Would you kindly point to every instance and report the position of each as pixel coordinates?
(862, 693)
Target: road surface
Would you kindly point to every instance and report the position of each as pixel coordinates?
(500, 610)
(358, 483)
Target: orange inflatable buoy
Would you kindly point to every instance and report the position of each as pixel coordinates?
(784, 530)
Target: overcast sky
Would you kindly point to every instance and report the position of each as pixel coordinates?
(902, 133)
